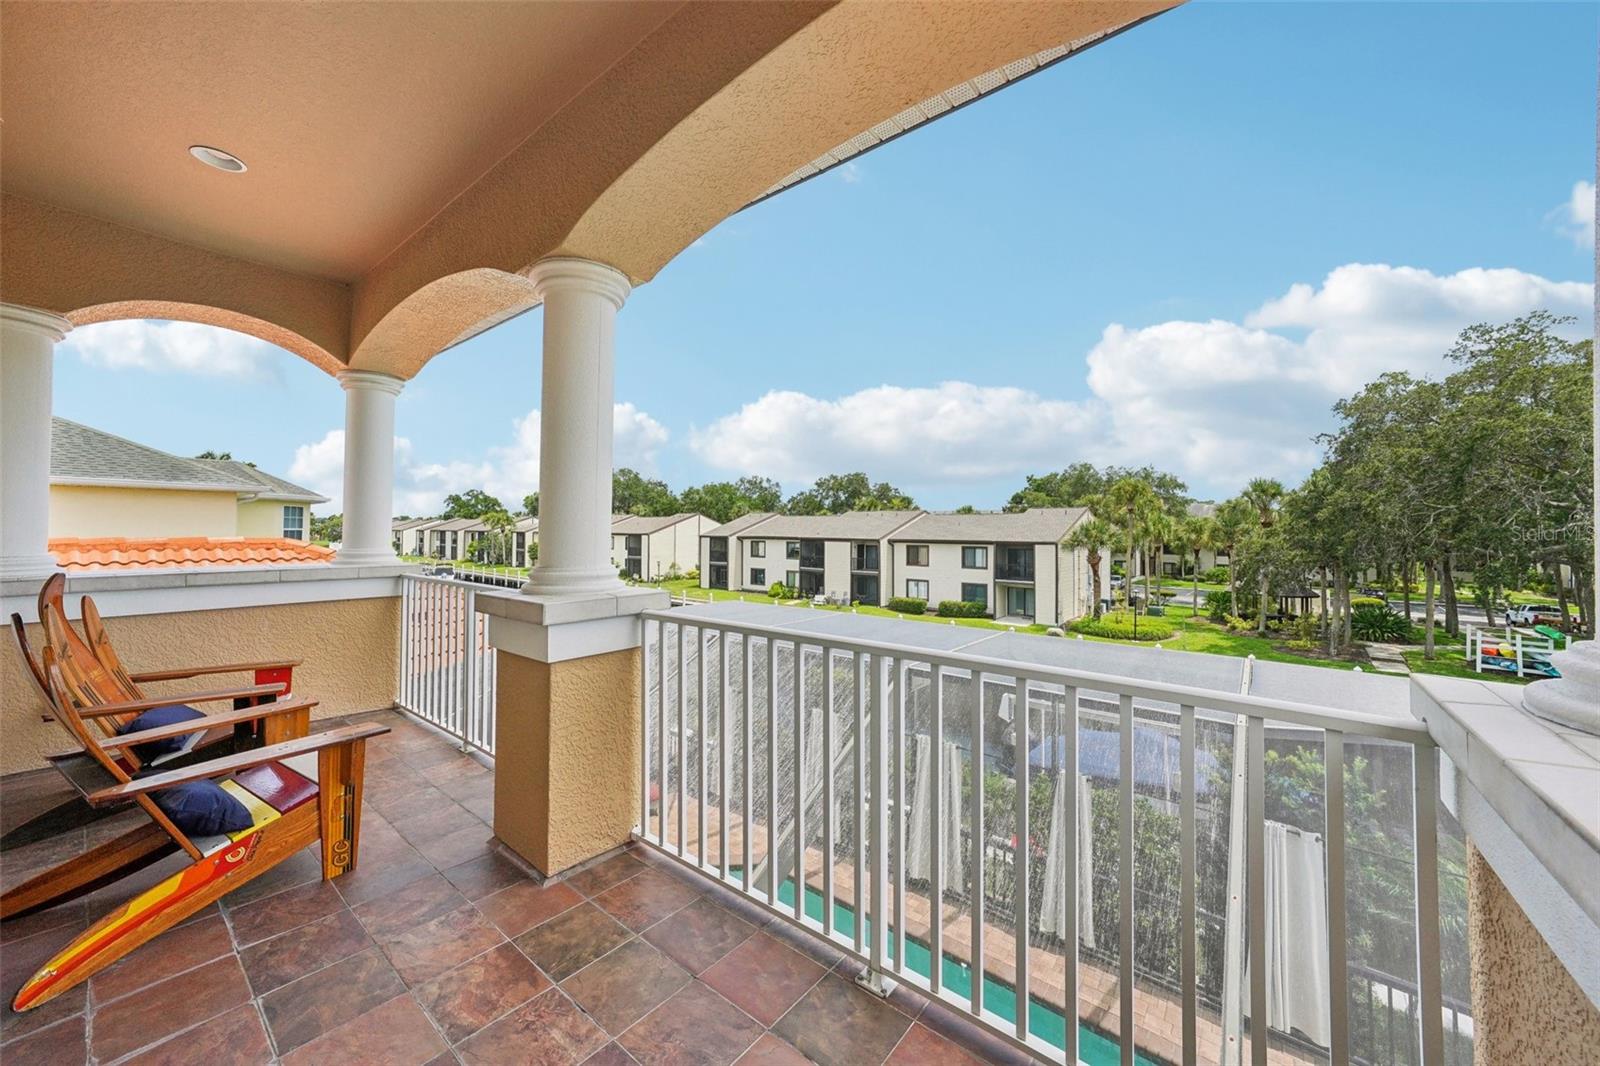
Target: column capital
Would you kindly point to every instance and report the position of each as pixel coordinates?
(370, 381)
(571, 274)
(44, 323)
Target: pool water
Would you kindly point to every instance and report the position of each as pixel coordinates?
(1045, 1022)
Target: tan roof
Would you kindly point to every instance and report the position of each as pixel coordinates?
(1038, 525)
(642, 524)
(852, 525)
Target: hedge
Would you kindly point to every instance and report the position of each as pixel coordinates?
(962, 609)
(1120, 626)
(908, 605)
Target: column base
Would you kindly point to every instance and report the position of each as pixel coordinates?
(554, 581)
(28, 567)
(1569, 699)
(359, 558)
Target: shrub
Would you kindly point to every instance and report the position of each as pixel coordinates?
(1120, 626)
(780, 591)
(1369, 622)
(1367, 601)
(908, 604)
(1218, 605)
(692, 575)
(1217, 575)
(961, 609)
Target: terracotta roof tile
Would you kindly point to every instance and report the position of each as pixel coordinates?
(120, 553)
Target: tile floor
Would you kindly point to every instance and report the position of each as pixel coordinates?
(439, 950)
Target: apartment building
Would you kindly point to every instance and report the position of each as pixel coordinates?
(455, 539)
(840, 556)
(722, 552)
(649, 548)
(1012, 563)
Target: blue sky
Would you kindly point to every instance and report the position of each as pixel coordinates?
(1179, 247)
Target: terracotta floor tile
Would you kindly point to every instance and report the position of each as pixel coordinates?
(521, 906)
(604, 875)
(19, 960)
(409, 905)
(394, 1033)
(461, 768)
(695, 1026)
(63, 1043)
(611, 1055)
(763, 977)
(446, 818)
(75, 914)
(838, 1024)
(167, 1007)
(699, 935)
(472, 995)
(922, 1046)
(303, 866)
(369, 881)
(425, 951)
(233, 1037)
(549, 1030)
(287, 910)
(170, 953)
(455, 848)
(625, 985)
(485, 875)
(959, 1030)
(572, 940)
(770, 1051)
(303, 1010)
(645, 899)
(290, 956)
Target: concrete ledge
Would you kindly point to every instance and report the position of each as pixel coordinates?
(567, 609)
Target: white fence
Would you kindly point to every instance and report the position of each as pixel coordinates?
(447, 669)
(867, 826)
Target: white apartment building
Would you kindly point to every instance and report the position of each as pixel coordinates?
(648, 548)
(840, 556)
(1012, 563)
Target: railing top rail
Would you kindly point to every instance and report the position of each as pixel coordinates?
(1312, 715)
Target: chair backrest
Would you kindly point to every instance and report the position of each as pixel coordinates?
(81, 667)
(19, 629)
(100, 646)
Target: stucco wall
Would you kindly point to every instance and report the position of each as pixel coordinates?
(1526, 1008)
(264, 518)
(94, 511)
(350, 650)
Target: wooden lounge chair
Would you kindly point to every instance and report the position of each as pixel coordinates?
(296, 792)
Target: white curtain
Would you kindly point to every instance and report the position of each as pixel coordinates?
(919, 849)
(1053, 915)
(1297, 933)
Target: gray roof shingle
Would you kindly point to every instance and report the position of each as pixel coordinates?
(1038, 525)
(81, 454)
(852, 525)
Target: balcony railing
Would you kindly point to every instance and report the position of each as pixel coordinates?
(866, 826)
(447, 669)
(1013, 569)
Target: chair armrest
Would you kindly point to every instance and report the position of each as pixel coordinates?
(200, 671)
(134, 706)
(232, 764)
(201, 725)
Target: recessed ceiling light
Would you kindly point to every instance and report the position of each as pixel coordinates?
(218, 159)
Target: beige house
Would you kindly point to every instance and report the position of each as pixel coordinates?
(102, 485)
(652, 547)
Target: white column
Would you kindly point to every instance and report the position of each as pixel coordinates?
(27, 347)
(368, 467)
(581, 300)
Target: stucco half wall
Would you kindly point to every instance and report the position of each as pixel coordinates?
(349, 651)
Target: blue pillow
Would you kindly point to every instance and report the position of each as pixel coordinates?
(160, 716)
(203, 809)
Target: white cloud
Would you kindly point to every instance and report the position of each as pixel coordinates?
(508, 471)
(849, 172)
(1218, 402)
(173, 347)
(1575, 218)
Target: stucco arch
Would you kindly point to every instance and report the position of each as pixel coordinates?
(209, 316)
(441, 314)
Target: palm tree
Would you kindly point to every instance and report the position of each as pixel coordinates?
(1092, 535)
(1234, 518)
(1264, 494)
(1160, 528)
(1190, 536)
(1128, 505)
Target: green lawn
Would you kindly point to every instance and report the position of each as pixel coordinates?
(1452, 662)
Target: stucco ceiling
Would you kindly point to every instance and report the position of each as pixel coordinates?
(358, 121)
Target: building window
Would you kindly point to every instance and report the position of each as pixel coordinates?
(758, 549)
(917, 589)
(974, 558)
(791, 550)
(975, 594)
(792, 579)
(917, 555)
(294, 523)
(758, 578)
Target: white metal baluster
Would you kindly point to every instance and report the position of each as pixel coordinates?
(700, 747)
(1333, 835)
(661, 735)
(405, 643)
(978, 839)
(1186, 863)
(748, 645)
(901, 676)
(1019, 725)
(829, 812)
(435, 652)
(1069, 927)
(1125, 876)
(936, 834)
(860, 682)
(469, 656)
(723, 638)
(683, 735)
(644, 723)
(873, 978)
(1425, 780)
(772, 773)
(1256, 824)
(799, 783)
